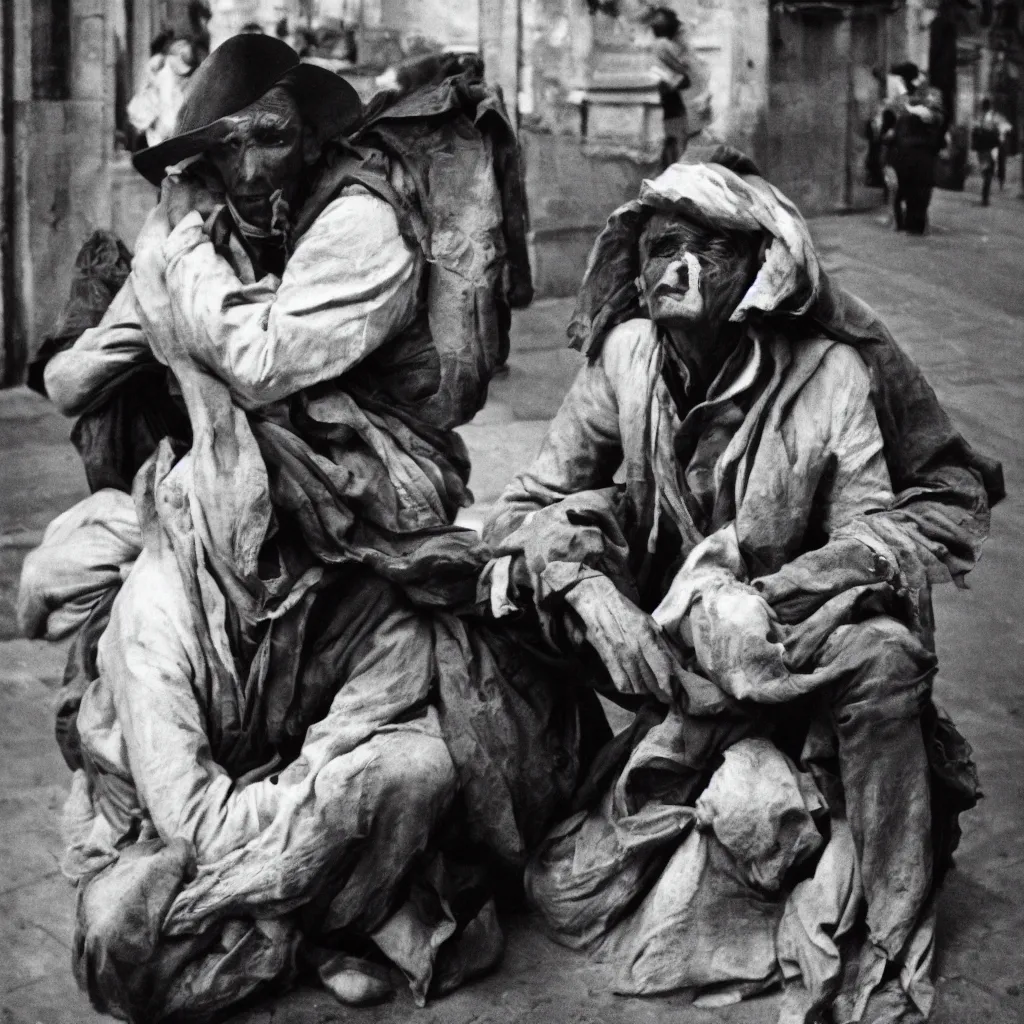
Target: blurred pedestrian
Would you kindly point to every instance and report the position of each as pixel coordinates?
(153, 110)
(672, 68)
(913, 146)
(985, 142)
(199, 15)
(877, 130)
(874, 132)
(1005, 131)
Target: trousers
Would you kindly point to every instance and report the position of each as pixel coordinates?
(915, 179)
(876, 709)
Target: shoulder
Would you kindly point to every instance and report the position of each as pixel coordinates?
(844, 370)
(356, 215)
(841, 361)
(357, 230)
(825, 395)
(830, 375)
(628, 349)
(355, 210)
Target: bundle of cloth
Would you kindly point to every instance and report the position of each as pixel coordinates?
(749, 567)
(294, 746)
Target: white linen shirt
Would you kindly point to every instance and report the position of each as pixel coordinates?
(350, 286)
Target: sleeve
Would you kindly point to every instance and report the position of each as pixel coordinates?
(671, 64)
(350, 286)
(854, 494)
(84, 375)
(581, 452)
(860, 482)
(148, 656)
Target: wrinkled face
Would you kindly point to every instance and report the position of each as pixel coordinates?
(693, 277)
(258, 152)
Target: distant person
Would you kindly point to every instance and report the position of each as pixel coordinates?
(199, 15)
(252, 28)
(985, 141)
(672, 68)
(914, 143)
(153, 110)
(1005, 131)
(875, 130)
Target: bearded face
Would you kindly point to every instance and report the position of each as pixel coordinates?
(260, 153)
(693, 278)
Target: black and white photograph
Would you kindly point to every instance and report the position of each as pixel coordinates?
(511, 511)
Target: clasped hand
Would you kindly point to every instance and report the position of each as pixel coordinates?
(637, 654)
(182, 193)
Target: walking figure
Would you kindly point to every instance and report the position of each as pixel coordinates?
(914, 144)
(672, 68)
(985, 141)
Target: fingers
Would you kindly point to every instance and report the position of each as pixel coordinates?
(181, 194)
(616, 659)
(635, 652)
(642, 663)
(664, 668)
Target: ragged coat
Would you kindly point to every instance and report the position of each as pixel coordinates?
(293, 610)
(819, 478)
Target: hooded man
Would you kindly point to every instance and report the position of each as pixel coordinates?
(287, 744)
(734, 522)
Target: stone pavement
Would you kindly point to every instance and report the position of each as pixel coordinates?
(954, 299)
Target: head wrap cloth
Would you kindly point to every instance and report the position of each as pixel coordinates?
(923, 448)
(725, 194)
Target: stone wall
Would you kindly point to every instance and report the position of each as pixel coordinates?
(571, 190)
(825, 84)
(591, 121)
(61, 152)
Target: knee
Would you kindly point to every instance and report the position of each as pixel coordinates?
(882, 666)
(414, 774)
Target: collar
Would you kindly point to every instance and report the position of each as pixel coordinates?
(740, 370)
(738, 373)
(278, 233)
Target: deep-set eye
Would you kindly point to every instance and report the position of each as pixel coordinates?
(666, 247)
(221, 153)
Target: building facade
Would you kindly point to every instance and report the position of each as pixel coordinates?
(67, 71)
(791, 82)
(57, 85)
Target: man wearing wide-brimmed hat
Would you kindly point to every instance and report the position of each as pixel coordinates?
(250, 135)
(285, 708)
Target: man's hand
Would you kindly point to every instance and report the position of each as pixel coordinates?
(629, 642)
(154, 231)
(180, 194)
(802, 586)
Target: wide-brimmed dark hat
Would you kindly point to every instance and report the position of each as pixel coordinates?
(237, 74)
